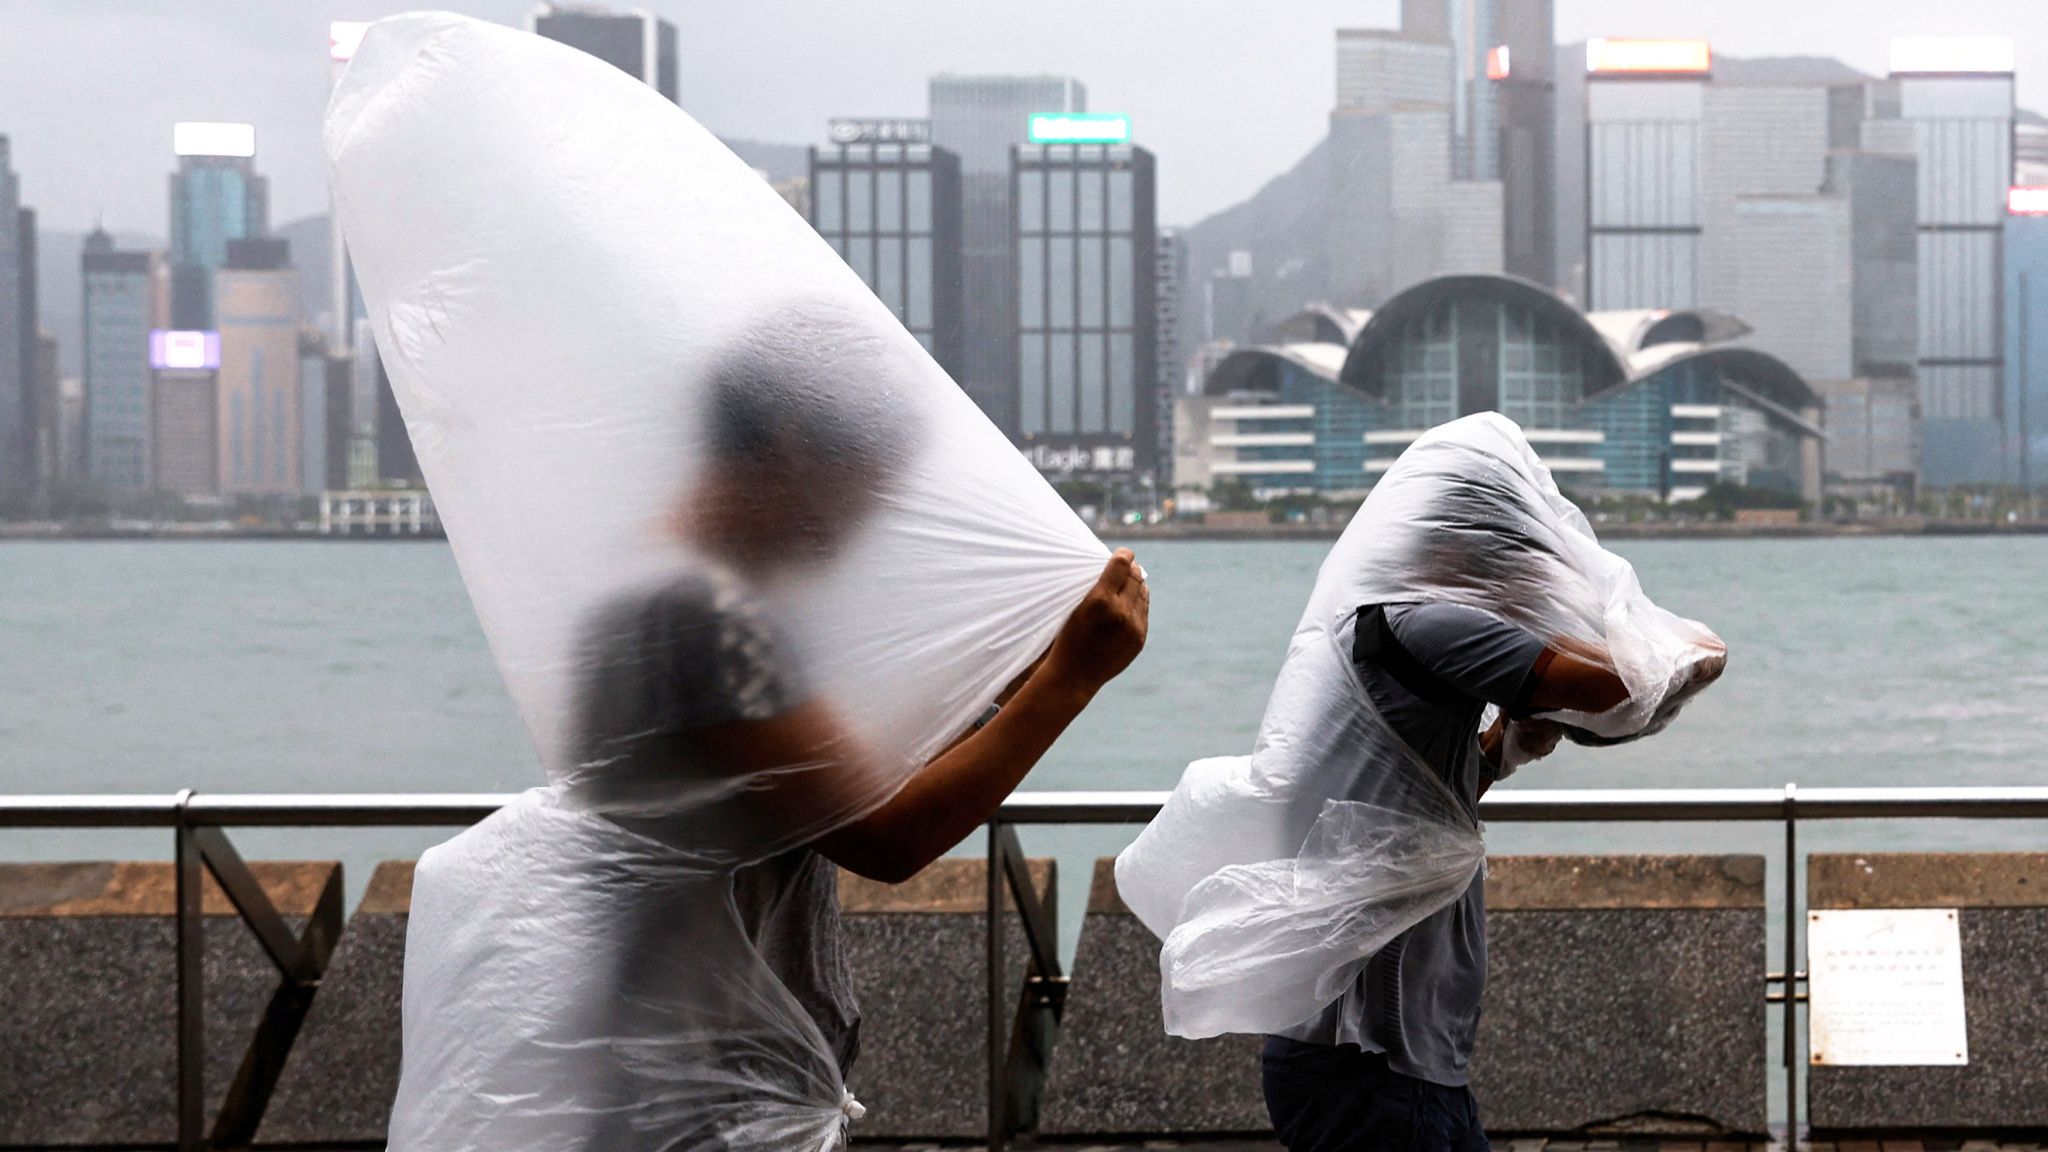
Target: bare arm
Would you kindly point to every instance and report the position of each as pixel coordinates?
(956, 792)
(1576, 678)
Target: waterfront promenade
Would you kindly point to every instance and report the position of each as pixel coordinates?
(1636, 1001)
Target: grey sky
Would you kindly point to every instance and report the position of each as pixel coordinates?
(1228, 93)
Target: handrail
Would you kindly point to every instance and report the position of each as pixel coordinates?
(1508, 805)
(187, 813)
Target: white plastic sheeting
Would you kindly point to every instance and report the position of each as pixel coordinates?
(595, 317)
(1274, 877)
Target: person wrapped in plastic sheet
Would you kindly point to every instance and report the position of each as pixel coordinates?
(753, 569)
(1327, 890)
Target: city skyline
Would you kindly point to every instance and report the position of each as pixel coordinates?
(263, 63)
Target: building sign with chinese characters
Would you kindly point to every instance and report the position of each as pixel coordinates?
(1886, 987)
(878, 130)
(1066, 459)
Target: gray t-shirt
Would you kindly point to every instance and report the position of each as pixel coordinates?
(1418, 999)
(659, 668)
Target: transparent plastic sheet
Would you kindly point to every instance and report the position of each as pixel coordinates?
(1273, 878)
(688, 465)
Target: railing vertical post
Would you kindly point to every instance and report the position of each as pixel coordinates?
(998, 1048)
(191, 957)
(1791, 967)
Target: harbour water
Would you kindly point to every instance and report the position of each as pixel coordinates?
(332, 667)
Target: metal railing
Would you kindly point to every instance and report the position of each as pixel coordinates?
(1788, 805)
(1016, 1054)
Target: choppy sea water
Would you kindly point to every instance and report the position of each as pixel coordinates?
(283, 666)
(333, 667)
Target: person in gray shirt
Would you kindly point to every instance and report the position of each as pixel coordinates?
(691, 684)
(1385, 1065)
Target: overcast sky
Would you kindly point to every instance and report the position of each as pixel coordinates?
(1227, 93)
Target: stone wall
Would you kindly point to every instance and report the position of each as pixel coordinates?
(2003, 899)
(1625, 995)
(88, 981)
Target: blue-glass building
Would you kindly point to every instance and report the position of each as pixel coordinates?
(1647, 402)
(214, 199)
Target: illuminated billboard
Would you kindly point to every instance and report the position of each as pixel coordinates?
(2023, 200)
(1951, 54)
(1079, 128)
(344, 37)
(1498, 66)
(198, 138)
(181, 349)
(1656, 57)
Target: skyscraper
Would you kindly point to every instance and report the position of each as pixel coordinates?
(1645, 100)
(893, 211)
(339, 424)
(636, 42)
(1391, 170)
(313, 409)
(118, 311)
(1501, 106)
(184, 413)
(345, 302)
(1471, 29)
(1957, 94)
(258, 302)
(1399, 212)
(216, 198)
(17, 339)
(1760, 140)
(27, 472)
(1379, 68)
(1169, 287)
(979, 119)
(1525, 86)
(1881, 190)
(1087, 308)
(397, 463)
(1792, 279)
(2026, 332)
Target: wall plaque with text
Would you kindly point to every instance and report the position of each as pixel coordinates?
(1886, 987)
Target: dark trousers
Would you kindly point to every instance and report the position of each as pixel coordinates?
(1339, 1099)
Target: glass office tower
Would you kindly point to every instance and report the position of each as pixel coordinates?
(979, 119)
(893, 211)
(1958, 97)
(1644, 106)
(1087, 309)
(216, 197)
(118, 311)
(638, 43)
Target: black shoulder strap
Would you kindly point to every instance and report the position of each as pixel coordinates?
(1373, 639)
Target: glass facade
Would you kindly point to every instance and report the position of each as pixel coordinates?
(2026, 341)
(16, 336)
(214, 199)
(1086, 294)
(1673, 432)
(1643, 216)
(893, 212)
(1962, 137)
(621, 39)
(115, 368)
(979, 119)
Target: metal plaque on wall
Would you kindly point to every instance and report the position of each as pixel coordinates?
(1886, 987)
